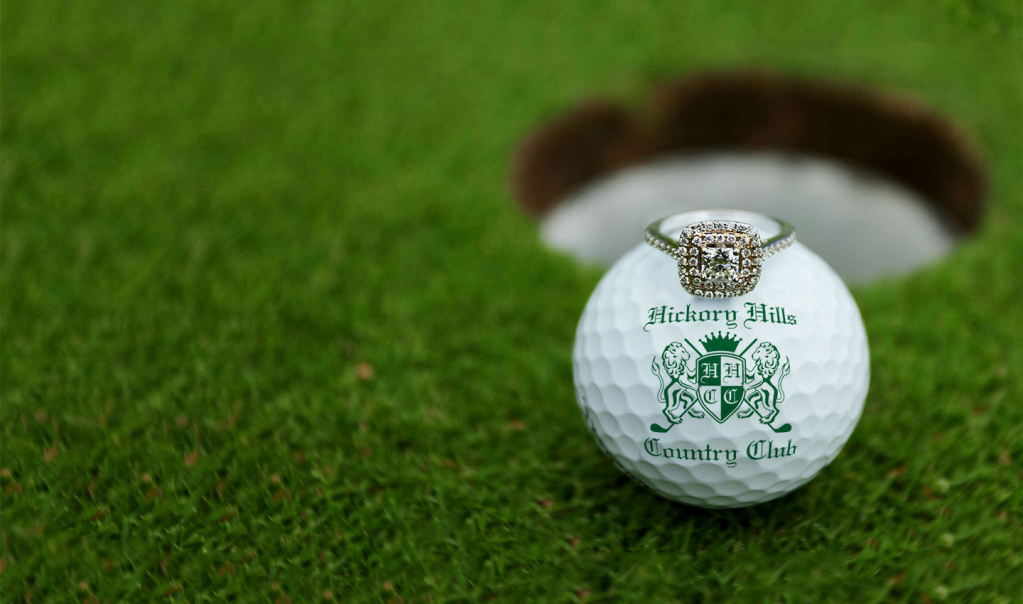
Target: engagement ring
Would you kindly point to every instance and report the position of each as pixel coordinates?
(719, 252)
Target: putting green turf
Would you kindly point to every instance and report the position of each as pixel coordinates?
(272, 327)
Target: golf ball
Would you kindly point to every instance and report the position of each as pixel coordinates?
(721, 403)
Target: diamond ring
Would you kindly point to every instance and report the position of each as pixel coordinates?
(719, 252)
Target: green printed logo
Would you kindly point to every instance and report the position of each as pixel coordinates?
(722, 382)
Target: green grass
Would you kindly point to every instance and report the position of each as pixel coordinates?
(215, 213)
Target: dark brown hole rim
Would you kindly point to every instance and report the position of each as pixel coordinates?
(896, 137)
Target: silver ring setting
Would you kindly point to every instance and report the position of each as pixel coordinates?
(719, 258)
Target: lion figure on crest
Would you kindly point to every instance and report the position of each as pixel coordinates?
(678, 395)
(764, 394)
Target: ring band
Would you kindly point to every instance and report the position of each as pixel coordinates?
(719, 252)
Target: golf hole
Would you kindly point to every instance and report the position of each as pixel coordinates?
(877, 186)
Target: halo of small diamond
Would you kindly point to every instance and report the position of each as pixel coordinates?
(720, 258)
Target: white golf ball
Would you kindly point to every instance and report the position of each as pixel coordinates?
(721, 403)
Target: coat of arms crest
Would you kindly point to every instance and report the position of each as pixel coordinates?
(720, 382)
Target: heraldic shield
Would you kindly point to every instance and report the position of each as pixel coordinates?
(721, 378)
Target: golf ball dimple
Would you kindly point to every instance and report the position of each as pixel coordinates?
(721, 403)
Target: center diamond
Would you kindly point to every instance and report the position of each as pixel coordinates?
(719, 262)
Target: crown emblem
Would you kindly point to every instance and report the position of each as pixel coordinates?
(720, 342)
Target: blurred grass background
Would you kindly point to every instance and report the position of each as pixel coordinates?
(272, 327)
